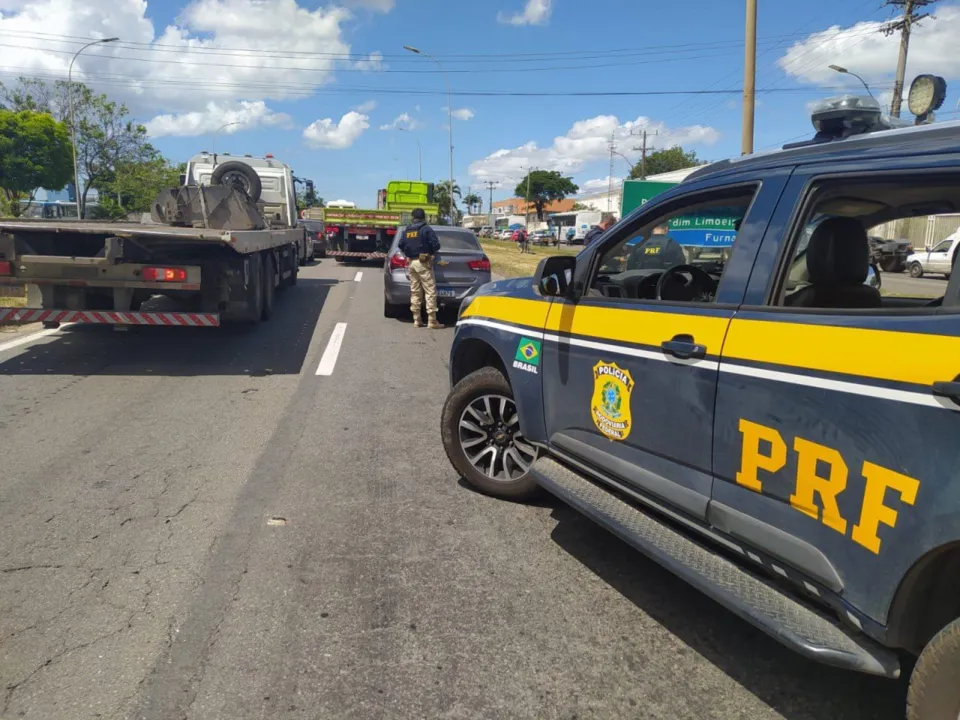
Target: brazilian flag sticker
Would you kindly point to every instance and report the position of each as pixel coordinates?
(528, 351)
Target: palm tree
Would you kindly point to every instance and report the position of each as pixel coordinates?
(474, 203)
(445, 201)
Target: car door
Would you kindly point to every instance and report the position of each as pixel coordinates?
(833, 451)
(938, 259)
(628, 382)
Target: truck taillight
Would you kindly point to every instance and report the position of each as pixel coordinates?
(479, 265)
(398, 262)
(5, 267)
(164, 274)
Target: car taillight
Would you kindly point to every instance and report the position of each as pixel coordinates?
(398, 262)
(479, 265)
(5, 267)
(164, 274)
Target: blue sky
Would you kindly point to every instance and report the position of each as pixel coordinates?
(323, 114)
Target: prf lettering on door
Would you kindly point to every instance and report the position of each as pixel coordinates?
(821, 476)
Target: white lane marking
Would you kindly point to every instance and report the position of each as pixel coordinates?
(329, 358)
(357, 277)
(29, 338)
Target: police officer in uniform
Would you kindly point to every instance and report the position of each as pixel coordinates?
(420, 244)
(597, 230)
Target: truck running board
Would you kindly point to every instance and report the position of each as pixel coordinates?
(21, 316)
(357, 255)
(762, 604)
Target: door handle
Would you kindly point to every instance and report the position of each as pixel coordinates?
(950, 390)
(684, 348)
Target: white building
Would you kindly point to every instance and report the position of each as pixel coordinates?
(606, 201)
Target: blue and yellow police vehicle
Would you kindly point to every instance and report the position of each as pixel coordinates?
(721, 381)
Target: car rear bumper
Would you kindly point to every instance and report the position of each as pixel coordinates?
(397, 292)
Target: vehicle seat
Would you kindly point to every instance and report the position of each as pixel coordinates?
(838, 260)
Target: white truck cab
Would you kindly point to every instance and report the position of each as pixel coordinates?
(938, 260)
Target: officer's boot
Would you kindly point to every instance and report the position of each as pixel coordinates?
(432, 323)
(417, 319)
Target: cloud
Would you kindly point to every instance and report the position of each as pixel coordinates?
(383, 6)
(864, 50)
(366, 107)
(246, 115)
(463, 114)
(599, 185)
(401, 121)
(535, 12)
(586, 141)
(215, 51)
(324, 133)
(372, 63)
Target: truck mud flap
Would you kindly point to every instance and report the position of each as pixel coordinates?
(21, 316)
(761, 603)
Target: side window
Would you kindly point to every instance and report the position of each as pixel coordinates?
(830, 261)
(943, 247)
(679, 256)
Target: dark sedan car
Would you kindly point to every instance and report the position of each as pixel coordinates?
(317, 233)
(461, 267)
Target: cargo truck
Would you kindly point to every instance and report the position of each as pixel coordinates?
(220, 246)
(359, 234)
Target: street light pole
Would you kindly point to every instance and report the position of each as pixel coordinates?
(446, 79)
(216, 132)
(73, 121)
(844, 71)
(749, 78)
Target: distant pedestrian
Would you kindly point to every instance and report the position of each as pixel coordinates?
(523, 240)
(420, 245)
(598, 230)
(571, 234)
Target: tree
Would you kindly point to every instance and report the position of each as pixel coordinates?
(474, 203)
(34, 153)
(662, 161)
(580, 207)
(545, 186)
(446, 202)
(308, 197)
(133, 186)
(106, 137)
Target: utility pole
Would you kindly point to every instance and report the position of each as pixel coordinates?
(643, 153)
(491, 184)
(749, 78)
(904, 26)
(526, 209)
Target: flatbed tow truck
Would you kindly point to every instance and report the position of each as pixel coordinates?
(220, 246)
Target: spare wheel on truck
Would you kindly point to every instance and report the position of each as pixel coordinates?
(239, 175)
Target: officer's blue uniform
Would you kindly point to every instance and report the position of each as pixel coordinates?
(420, 243)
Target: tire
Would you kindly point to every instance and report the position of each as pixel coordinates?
(294, 267)
(323, 251)
(934, 693)
(254, 291)
(915, 270)
(890, 264)
(485, 382)
(391, 310)
(240, 175)
(269, 288)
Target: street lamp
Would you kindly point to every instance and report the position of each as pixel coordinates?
(213, 145)
(844, 71)
(446, 79)
(73, 120)
(419, 149)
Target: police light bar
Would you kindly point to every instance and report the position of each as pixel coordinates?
(846, 115)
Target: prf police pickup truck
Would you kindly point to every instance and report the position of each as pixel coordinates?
(719, 381)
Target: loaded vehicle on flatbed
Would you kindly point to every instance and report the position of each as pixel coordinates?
(220, 245)
(763, 421)
(360, 234)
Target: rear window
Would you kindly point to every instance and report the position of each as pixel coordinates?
(458, 241)
(313, 226)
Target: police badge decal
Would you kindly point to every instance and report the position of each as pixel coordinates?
(610, 406)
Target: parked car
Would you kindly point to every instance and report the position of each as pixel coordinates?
(543, 237)
(461, 267)
(939, 260)
(515, 235)
(486, 231)
(890, 255)
(505, 234)
(317, 235)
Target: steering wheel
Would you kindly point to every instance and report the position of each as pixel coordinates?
(700, 287)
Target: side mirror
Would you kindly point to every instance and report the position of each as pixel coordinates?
(873, 276)
(554, 275)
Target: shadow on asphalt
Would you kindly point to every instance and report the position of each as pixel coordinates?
(797, 688)
(275, 347)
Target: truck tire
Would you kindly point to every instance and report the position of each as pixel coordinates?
(934, 692)
(890, 265)
(483, 391)
(916, 270)
(239, 175)
(254, 290)
(269, 285)
(294, 266)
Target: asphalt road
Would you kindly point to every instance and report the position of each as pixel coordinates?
(932, 286)
(197, 525)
